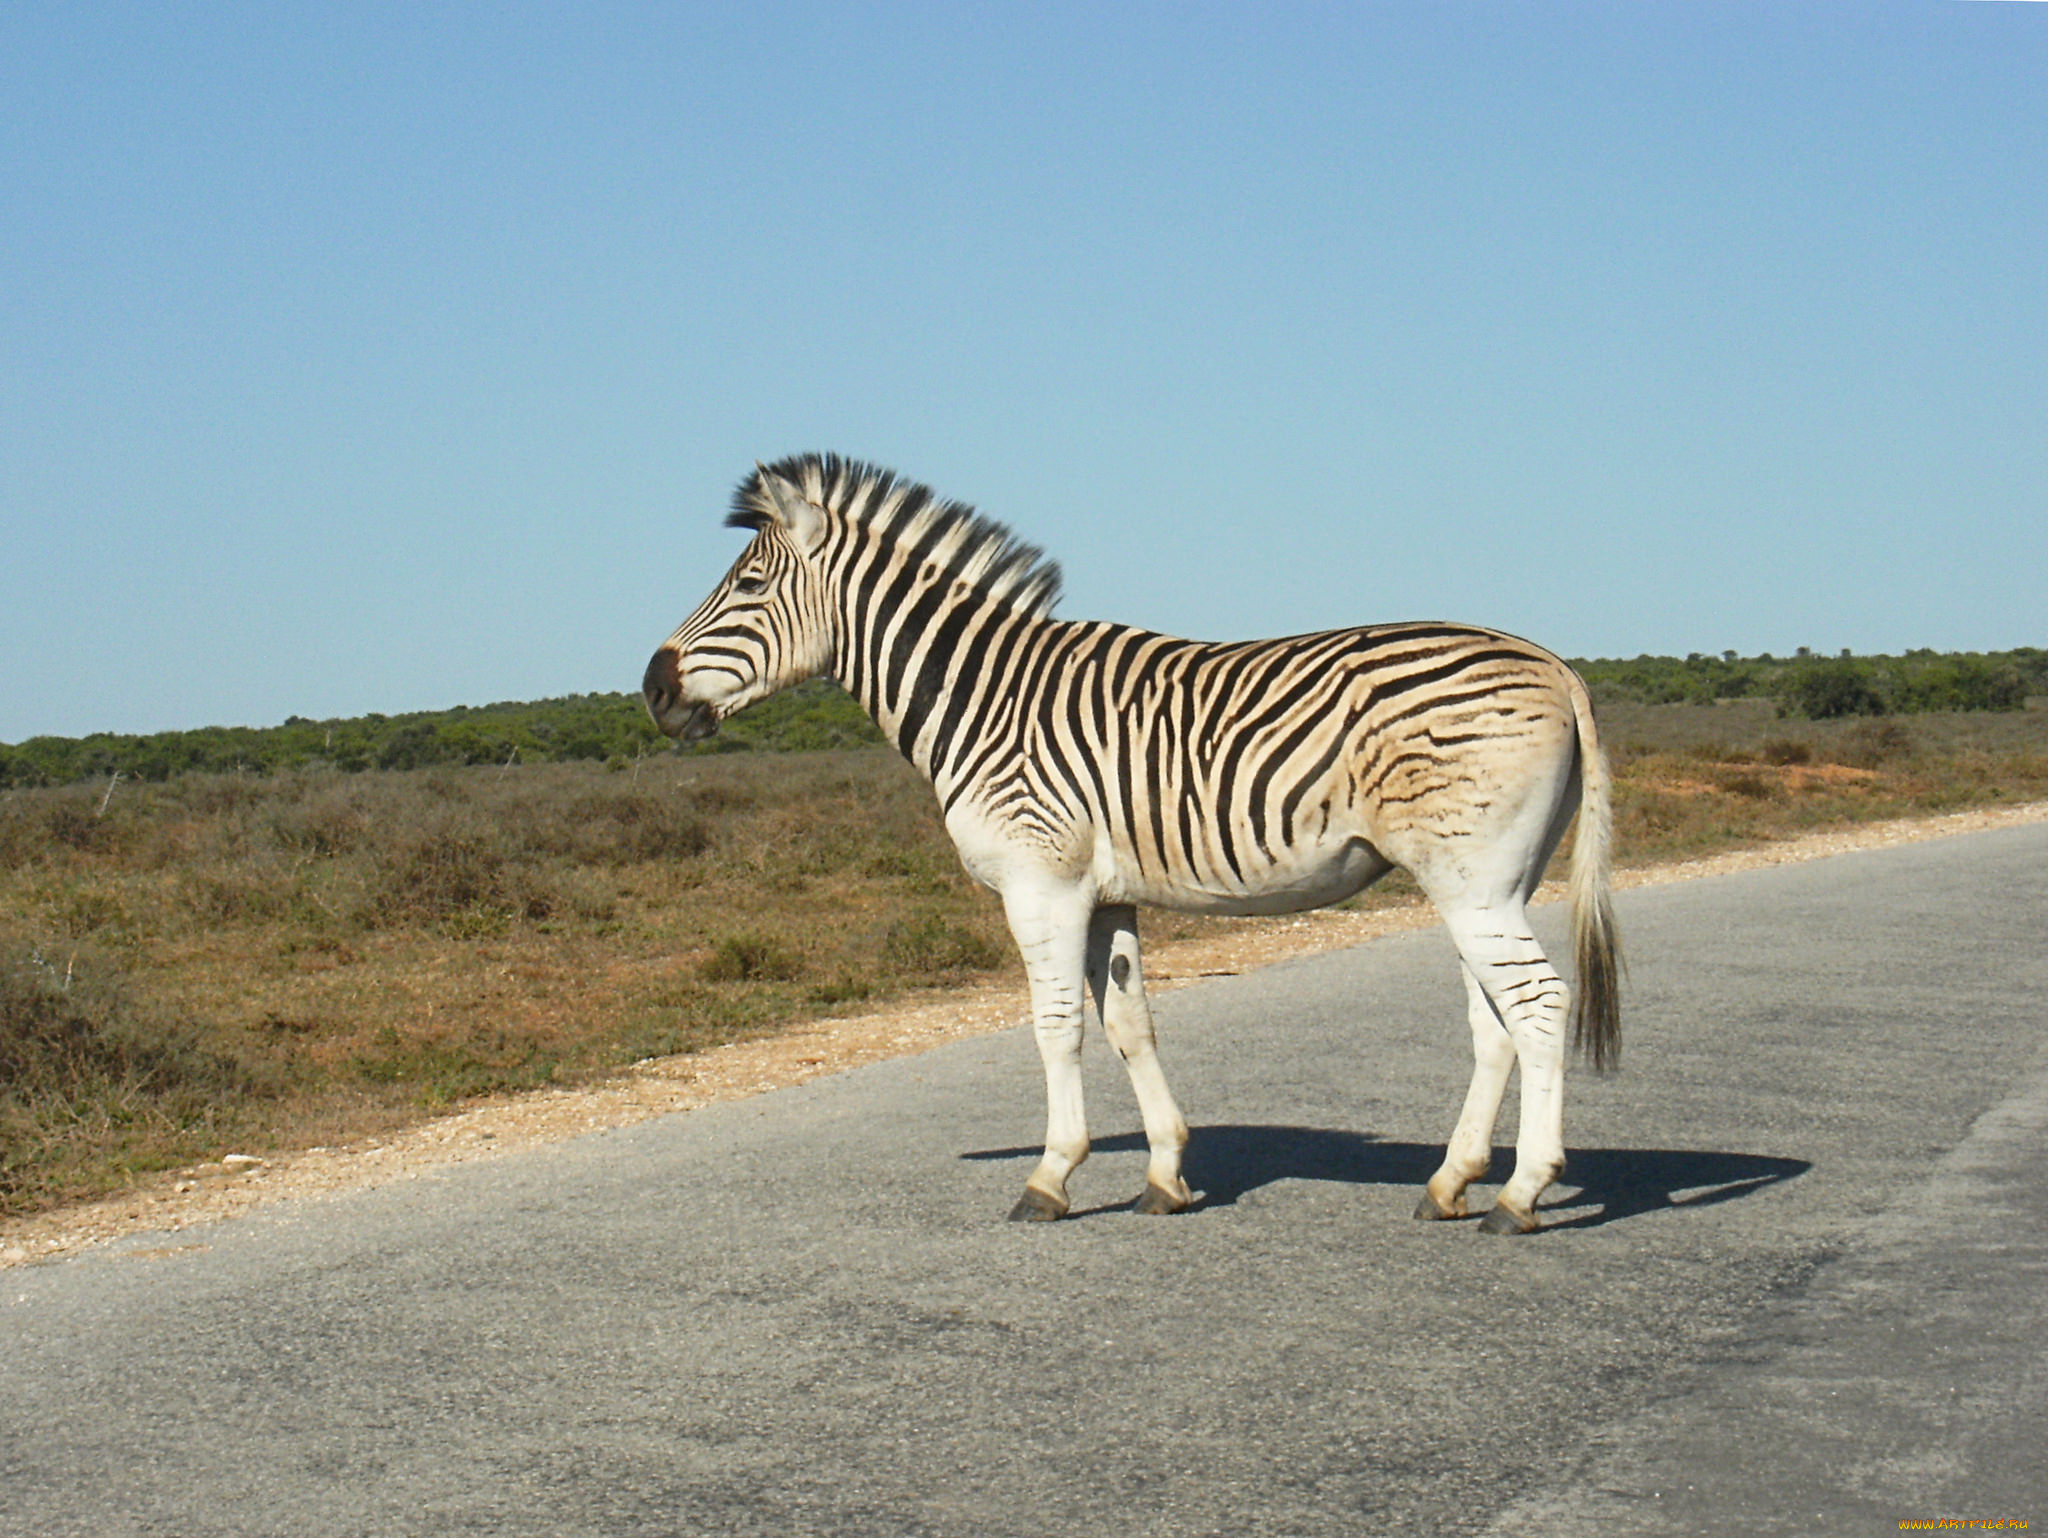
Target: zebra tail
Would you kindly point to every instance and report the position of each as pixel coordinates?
(1596, 948)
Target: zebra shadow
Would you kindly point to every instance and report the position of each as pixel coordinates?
(1600, 1185)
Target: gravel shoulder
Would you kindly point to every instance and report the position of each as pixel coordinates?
(209, 1193)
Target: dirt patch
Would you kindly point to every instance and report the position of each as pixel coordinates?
(208, 1193)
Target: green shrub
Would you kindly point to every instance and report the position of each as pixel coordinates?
(440, 1071)
(845, 989)
(751, 959)
(1962, 683)
(930, 945)
(1829, 690)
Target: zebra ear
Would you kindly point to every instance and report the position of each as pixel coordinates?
(801, 518)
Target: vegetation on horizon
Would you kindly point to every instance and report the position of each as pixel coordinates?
(614, 729)
(610, 729)
(1827, 688)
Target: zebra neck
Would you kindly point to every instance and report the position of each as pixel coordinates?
(923, 668)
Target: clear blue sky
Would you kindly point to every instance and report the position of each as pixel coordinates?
(363, 357)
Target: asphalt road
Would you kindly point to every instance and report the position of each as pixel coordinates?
(1798, 1282)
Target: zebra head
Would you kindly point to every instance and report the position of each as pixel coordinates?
(764, 627)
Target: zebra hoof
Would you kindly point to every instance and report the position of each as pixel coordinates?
(1158, 1201)
(1430, 1210)
(1503, 1219)
(1034, 1206)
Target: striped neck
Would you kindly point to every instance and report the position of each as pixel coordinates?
(911, 650)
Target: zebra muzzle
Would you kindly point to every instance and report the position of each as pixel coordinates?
(698, 722)
(661, 687)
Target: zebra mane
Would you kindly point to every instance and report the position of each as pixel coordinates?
(976, 550)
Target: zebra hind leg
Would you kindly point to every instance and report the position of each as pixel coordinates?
(1502, 953)
(1470, 1150)
(1116, 977)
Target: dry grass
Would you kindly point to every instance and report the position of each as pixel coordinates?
(272, 963)
(1693, 779)
(348, 950)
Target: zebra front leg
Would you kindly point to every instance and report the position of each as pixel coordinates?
(1051, 930)
(1470, 1151)
(1116, 976)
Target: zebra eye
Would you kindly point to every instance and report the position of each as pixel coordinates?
(752, 582)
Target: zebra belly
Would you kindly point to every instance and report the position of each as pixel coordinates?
(1304, 878)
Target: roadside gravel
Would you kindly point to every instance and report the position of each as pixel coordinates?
(209, 1193)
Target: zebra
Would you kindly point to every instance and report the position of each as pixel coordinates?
(1083, 768)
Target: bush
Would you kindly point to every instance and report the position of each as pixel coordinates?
(333, 820)
(458, 877)
(35, 830)
(439, 875)
(930, 946)
(751, 959)
(1963, 683)
(1873, 743)
(438, 1072)
(1827, 691)
(1752, 786)
(614, 824)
